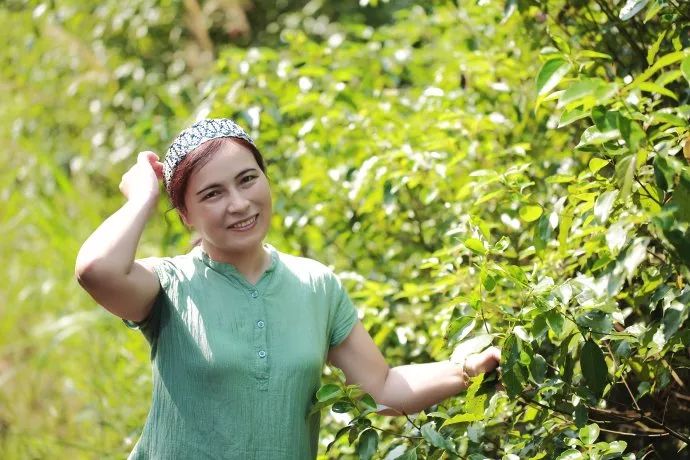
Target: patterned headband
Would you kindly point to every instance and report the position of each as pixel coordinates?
(192, 137)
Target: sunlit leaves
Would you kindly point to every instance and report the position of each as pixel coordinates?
(631, 8)
(551, 73)
(408, 157)
(530, 213)
(604, 205)
(685, 68)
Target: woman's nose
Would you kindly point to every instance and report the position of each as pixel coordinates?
(237, 204)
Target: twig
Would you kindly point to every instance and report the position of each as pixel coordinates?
(397, 435)
(625, 382)
(647, 190)
(623, 433)
(410, 420)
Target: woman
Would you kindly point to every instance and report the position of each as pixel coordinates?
(239, 332)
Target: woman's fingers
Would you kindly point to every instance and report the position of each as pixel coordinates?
(152, 159)
(141, 180)
(483, 362)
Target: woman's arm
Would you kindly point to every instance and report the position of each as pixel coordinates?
(105, 265)
(405, 389)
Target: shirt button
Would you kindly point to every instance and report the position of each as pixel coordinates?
(262, 354)
(255, 294)
(260, 324)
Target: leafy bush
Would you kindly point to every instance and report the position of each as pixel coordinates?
(464, 186)
(516, 169)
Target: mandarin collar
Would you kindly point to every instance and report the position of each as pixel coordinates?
(231, 271)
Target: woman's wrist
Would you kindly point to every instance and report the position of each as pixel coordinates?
(461, 369)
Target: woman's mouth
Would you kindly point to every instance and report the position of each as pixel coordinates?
(245, 224)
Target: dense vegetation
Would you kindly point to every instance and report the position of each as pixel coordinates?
(515, 170)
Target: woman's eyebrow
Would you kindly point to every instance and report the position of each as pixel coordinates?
(216, 184)
(244, 171)
(209, 186)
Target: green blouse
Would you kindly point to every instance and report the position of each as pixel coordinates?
(235, 365)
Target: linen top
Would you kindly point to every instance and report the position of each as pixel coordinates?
(236, 366)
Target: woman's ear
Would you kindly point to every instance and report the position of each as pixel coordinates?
(183, 217)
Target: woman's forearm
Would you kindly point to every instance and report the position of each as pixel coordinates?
(111, 248)
(414, 387)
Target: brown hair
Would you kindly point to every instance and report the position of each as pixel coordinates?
(177, 186)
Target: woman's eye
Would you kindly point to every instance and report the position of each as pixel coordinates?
(210, 194)
(248, 178)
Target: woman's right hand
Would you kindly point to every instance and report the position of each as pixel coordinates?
(140, 182)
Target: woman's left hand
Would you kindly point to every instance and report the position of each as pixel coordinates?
(484, 362)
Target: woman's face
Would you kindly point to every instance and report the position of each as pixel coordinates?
(228, 201)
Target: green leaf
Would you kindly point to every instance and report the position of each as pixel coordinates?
(604, 120)
(434, 438)
(589, 434)
(341, 432)
(550, 74)
(508, 10)
(592, 136)
(352, 435)
(654, 49)
(653, 10)
(685, 68)
(514, 379)
(460, 327)
(595, 164)
(616, 447)
(342, 407)
(570, 116)
(604, 205)
(555, 321)
(663, 116)
(474, 403)
(463, 418)
(408, 455)
(368, 441)
(368, 402)
(570, 454)
(593, 55)
(625, 171)
(581, 415)
(663, 172)
(537, 368)
(662, 62)
(594, 368)
(475, 245)
(488, 281)
(476, 344)
(631, 132)
(631, 8)
(329, 391)
(530, 212)
(578, 90)
(656, 89)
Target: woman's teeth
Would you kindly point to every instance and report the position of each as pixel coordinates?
(244, 223)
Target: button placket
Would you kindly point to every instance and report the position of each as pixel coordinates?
(260, 339)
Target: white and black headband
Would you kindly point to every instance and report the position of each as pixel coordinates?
(192, 137)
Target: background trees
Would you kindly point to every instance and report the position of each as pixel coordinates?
(515, 169)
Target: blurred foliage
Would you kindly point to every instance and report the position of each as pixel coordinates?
(515, 168)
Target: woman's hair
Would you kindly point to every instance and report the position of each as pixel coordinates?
(177, 186)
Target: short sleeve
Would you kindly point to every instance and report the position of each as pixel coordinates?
(150, 325)
(343, 315)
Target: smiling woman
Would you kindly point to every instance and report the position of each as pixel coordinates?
(227, 200)
(238, 330)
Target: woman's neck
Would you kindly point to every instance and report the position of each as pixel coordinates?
(251, 264)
